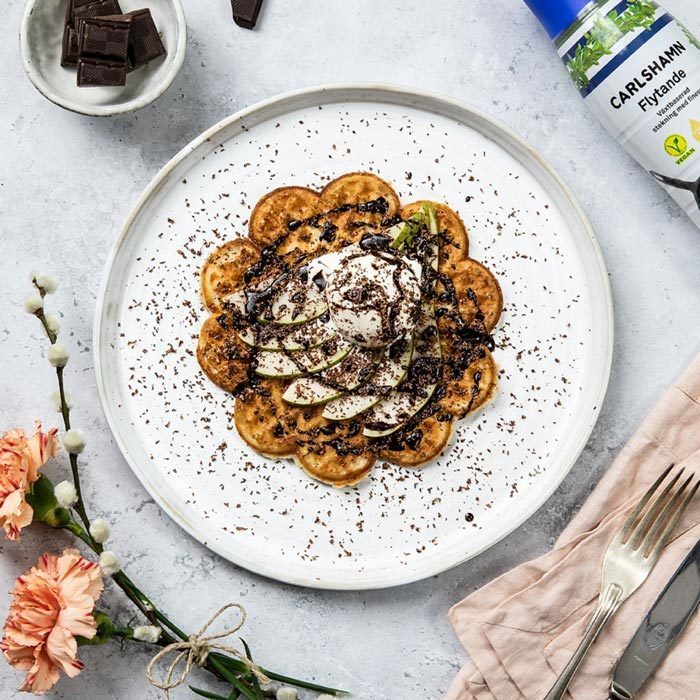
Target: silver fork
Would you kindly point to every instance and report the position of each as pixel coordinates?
(629, 558)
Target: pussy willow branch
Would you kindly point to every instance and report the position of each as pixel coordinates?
(218, 664)
(136, 596)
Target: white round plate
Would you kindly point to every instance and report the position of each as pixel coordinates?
(41, 39)
(554, 341)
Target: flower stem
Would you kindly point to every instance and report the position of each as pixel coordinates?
(146, 605)
(141, 601)
(137, 597)
(65, 412)
(39, 313)
(221, 666)
(123, 633)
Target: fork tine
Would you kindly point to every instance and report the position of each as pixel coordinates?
(667, 521)
(650, 517)
(632, 517)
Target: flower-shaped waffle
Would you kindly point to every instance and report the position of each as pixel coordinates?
(349, 328)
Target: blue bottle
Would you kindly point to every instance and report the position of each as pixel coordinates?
(638, 69)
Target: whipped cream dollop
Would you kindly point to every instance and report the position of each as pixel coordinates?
(372, 295)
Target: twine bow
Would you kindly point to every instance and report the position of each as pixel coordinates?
(195, 651)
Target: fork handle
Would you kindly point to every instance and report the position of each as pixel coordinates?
(607, 605)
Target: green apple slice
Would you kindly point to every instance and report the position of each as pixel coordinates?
(300, 337)
(282, 365)
(295, 305)
(295, 300)
(236, 301)
(395, 411)
(309, 391)
(390, 373)
(398, 407)
(347, 375)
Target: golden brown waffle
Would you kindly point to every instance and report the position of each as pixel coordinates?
(263, 419)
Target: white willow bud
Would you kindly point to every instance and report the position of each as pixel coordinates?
(46, 282)
(147, 633)
(58, 355)
(109, 563)
(52, 323)
(287, 693)
(33, 303)
(74, 441)
(65, 493)
(99, 530)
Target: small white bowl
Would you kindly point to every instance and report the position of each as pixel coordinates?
(40, 41)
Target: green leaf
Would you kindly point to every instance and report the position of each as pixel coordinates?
(234, 695)
(247, 648)
(235, 682)
(431, 214)
(207, 694)
(44, 504)
(425, 218)
(597, 43)
(407, 233)
(251, 675)
(304, 684)
(105, 630)
(235, 664)
(41, 497)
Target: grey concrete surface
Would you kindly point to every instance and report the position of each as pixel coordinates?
(67, 182)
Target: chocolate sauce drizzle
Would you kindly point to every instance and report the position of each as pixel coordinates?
(468, 339)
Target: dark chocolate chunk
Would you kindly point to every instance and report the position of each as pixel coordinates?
(95, 73)
(69, 53)
(104, 38)
(97, 8)
(145, 43)
(71, 6)
(245, 12)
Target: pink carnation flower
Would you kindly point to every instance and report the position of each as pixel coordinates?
(20, 460)
(52, 603)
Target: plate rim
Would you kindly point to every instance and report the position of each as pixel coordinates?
(409, 575)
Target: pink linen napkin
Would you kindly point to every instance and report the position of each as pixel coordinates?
(521, 629)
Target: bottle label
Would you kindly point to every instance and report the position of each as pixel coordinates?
(639, 71)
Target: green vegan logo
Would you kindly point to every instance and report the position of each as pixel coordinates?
(675, 145)
(605, 33)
